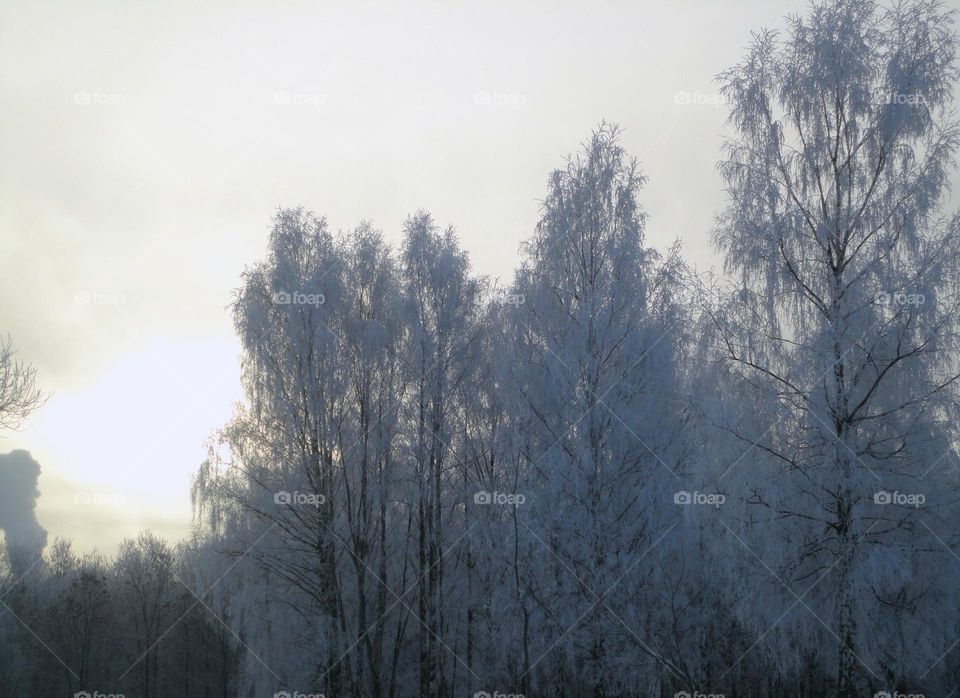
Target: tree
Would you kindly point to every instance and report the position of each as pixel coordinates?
(81, 616)
(338, 466)
(147, 591)
(19, 394)
(443, 304)
(843, 330)
(275, 492)
(367, 441)
(596, 329)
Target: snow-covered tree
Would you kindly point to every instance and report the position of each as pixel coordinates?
(842, 336)
(443, 308)
(147, 589)
(595, 329)
(274, 492)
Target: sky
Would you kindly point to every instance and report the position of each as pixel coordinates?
(145, 146)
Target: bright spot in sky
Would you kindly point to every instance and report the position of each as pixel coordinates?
(131, 440)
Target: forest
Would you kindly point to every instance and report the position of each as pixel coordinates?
(614, 474)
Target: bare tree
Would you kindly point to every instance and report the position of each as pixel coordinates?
(19, 394)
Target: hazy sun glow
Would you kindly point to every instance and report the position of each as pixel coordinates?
(118, 453)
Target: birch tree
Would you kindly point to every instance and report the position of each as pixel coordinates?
(843, 332)
(443, 305)
(595, 332)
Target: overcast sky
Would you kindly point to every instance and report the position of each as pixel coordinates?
(145, 146)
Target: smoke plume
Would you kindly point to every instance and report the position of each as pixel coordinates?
(18, 503)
